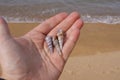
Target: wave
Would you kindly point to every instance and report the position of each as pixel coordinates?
(101, 19)
(22, 20)
(86, 18)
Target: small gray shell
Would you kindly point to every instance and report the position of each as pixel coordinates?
(49, 43)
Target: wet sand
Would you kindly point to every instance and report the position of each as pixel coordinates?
(94, 38)
(96, 55)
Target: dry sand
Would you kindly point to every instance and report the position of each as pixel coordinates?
(93, 67)
(96, 55)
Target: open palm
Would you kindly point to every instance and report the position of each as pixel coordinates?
(27, 58)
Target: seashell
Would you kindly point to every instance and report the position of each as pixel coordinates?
(60, 38)
(56, 44)
(49, 43)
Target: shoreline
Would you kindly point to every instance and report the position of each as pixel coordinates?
(95, 38)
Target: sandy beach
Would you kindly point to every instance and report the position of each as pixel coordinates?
(96, 55)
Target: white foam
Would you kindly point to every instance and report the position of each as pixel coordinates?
(86, 18)
(22, 20)
(101, 19)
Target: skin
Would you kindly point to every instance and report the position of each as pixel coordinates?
(27, 57)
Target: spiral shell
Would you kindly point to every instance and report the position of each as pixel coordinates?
(60, 38)
(56, 44)
(49, 43)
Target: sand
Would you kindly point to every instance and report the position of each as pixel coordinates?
(95, 67)
(96, 55)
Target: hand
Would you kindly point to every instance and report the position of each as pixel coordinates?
(25, 58)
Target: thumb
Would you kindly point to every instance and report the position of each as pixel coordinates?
(4, 30)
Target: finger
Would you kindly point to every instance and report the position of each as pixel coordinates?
(49, 24)
(65, 24)
(4, 31)
(78, 24)
(70, 43)
(72, 36)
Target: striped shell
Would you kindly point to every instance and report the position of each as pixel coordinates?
(60, 38)
(56, 44)
(49, 43)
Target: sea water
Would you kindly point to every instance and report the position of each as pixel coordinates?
(91, 11)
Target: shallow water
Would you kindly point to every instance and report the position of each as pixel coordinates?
(92, 11)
